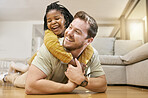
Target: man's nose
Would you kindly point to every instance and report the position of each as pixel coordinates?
(70, 32)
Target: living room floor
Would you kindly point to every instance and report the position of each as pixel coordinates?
(8, 91)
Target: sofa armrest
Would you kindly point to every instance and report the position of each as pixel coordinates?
(136, 55)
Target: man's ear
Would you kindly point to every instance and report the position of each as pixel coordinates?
(89, 40)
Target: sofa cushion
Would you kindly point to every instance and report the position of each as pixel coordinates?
(104, 46)
(110, 60)
(124, 46)
(138, 54)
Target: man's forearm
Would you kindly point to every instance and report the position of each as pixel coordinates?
(37, 84)
(46, 87)
(97, 84)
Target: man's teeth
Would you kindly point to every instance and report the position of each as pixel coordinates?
(69, 39)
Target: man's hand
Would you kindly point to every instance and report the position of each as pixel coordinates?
(75, 74)
(72, 62)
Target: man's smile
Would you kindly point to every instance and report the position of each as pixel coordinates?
(68, 39)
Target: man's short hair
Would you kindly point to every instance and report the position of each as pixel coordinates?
(92, 31)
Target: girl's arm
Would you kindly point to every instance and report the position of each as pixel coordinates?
(86, 55)
(54, 47)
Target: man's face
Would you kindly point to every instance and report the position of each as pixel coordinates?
(76, 34)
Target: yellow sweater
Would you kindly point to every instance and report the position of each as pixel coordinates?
(54, 47)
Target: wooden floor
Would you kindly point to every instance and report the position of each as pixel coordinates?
(112, 92)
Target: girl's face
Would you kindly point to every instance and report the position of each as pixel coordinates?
(55, 22)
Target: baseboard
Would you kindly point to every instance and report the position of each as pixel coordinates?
(145, 87)
(117, 84)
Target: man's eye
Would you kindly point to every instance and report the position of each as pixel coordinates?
(78, 32)
(70, 27)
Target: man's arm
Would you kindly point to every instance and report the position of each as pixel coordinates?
(37, 84)
(75, 74)
(97, 84)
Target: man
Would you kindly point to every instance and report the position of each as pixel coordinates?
(48, 75)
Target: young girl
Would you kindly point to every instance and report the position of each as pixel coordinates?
(56, 20)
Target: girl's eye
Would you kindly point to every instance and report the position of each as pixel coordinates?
(49, 21)
(57, 18)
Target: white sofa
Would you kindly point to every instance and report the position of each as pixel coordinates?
(124, 61)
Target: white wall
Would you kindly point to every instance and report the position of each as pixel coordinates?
(16, 38)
